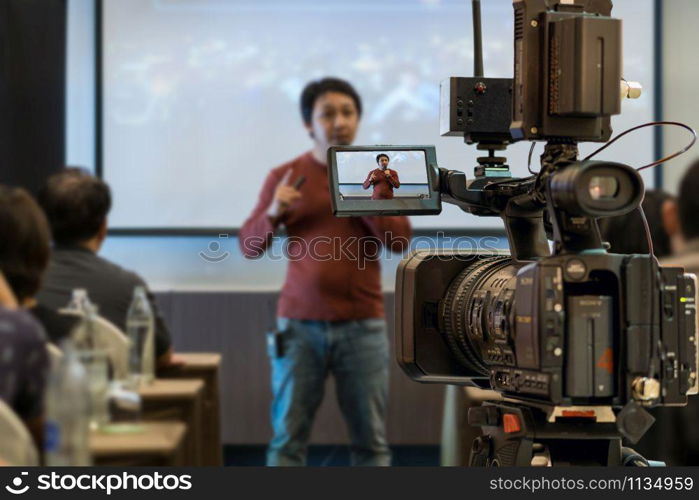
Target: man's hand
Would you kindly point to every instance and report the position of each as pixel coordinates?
(372, 178)
(387, 173)
(284, 197)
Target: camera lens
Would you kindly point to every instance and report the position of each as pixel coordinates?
(476, 314)
(603, 187)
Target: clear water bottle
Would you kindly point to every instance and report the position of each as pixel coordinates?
(124, 407)
(140, 328)
(78, 301)
(93, 355)
(66, 440)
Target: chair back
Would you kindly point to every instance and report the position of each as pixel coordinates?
(17, 447)
(112, 340)
(55, 354)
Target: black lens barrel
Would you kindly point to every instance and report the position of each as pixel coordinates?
(475, 314)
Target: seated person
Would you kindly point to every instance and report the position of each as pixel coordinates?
(674, 228)
(682, 223)
(24, 366)
(24, 255)
(626, 234)
(76, 205)
(383, 179)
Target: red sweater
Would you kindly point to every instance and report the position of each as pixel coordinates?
(334, 269)
(383, 184)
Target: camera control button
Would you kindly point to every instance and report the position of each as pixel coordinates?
(576, 269)
(511, 423)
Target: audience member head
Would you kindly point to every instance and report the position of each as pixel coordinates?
(331, 109)
(24, 242)
(76, 205)
(627, 235)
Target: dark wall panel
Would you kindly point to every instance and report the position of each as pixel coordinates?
(234, 324)
(32, 90)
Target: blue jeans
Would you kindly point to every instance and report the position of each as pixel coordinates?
(356, 353)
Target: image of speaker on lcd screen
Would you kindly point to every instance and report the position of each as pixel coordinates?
(382, 175)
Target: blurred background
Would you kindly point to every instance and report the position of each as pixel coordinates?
(183, 106)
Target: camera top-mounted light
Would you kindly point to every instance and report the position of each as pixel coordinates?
(597, 189)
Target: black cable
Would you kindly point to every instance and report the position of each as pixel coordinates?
(652, 124)
(651, 339)
(529, 159)
(656, 283)
(646, 227)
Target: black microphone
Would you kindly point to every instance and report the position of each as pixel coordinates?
(297, 185)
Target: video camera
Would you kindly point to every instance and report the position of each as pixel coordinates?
(563, 329)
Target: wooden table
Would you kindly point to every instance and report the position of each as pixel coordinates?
(178, 400)
(206, 367)
(158, 444)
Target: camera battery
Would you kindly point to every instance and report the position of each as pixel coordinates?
(590, 348)
(585, 67)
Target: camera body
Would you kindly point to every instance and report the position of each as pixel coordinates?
(559, 321)
(567, 330)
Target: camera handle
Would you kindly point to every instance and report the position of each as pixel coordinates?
(526, 207)
(526, 232)
(512, 201)
(570, 233)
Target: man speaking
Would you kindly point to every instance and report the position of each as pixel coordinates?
(383, 179)
(330, 310)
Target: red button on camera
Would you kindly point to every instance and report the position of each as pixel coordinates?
(511, 423)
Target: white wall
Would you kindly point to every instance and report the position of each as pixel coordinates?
(80, 85)
(175, 263)
(680, 83)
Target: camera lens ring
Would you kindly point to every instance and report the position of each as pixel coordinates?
(454, 305)
(465, 357)
(466, 303)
